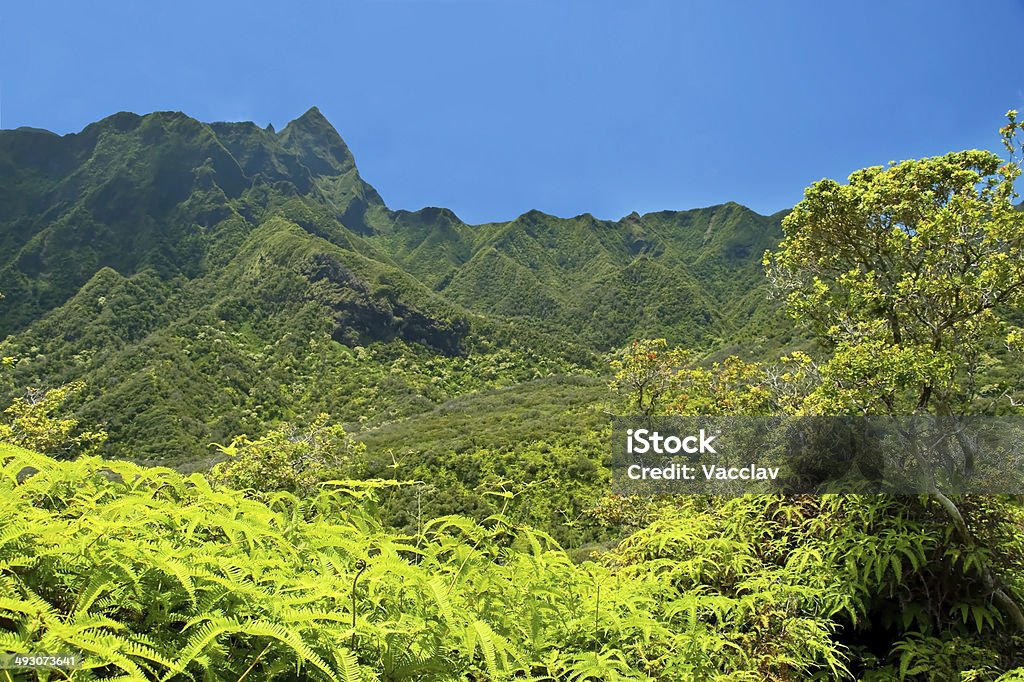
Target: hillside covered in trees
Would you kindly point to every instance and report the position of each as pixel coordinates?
(157, 257)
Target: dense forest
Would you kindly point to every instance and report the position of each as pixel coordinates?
(260, 426)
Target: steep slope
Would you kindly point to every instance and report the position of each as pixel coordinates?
(678, 274)
(162, 192)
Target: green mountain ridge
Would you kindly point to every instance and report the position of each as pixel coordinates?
(206, 279)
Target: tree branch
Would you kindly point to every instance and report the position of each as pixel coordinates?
(1005, 601)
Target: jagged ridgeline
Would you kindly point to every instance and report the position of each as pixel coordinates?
(205, 279)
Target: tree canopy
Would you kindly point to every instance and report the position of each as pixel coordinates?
(909, 275)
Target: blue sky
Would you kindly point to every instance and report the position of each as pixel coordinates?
(492, 108)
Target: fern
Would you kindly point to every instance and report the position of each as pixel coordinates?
(153, 575)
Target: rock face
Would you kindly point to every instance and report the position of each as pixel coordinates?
(361, 317)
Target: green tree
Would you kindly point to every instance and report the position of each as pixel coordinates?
(908, 274)
(644, 374)
(37, 421)
(286, 458)
(650, 378)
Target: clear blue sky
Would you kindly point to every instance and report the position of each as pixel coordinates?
(492, 108)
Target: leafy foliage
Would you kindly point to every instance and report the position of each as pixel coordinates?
(909, 273)
(285, 459)
(535, 452)
(909, 276)
(157, 575)
(875, 586)
(654, 379)
(35, 421)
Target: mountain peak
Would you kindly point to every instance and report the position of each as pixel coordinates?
(533, 215)
(318, 144)
(313, 114)
(313, 121)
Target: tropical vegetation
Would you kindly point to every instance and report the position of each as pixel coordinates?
(260, 426)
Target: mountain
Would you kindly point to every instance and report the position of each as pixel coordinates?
(206, 279)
